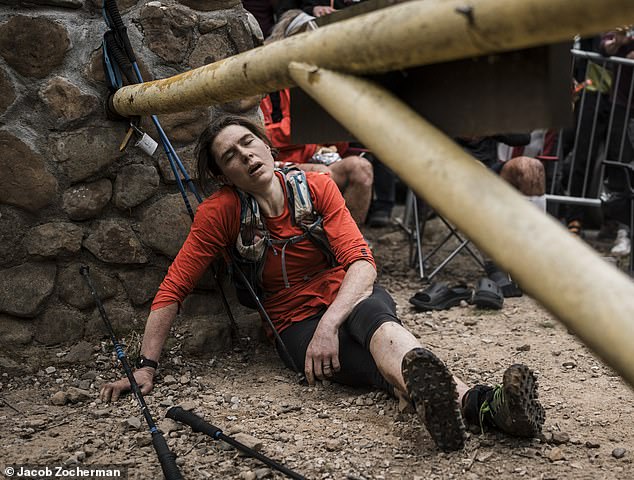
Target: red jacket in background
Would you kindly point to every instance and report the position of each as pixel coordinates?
(280, 132)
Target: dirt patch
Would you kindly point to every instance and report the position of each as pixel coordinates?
(331, 431)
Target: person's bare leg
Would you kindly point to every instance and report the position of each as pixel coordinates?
(354, 176)
(389, 345)
(425, 379)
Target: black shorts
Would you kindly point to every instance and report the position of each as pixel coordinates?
(357, 365)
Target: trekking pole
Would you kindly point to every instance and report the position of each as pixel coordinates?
(265, 314)
(198, 424)
(115, 22)
(119, 43)
(166, 457)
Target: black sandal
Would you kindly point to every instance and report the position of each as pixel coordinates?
(488, 294)
(505, 282)
(438, 296)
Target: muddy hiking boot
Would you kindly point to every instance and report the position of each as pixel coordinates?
(511, 407)
(431, 388)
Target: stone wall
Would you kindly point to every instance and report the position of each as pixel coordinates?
(68, 196)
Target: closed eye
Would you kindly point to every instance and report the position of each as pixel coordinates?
(228, 155)
(244, 141)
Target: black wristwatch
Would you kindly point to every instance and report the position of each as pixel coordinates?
(146, 362)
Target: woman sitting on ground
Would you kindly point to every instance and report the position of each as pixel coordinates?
(335, 321)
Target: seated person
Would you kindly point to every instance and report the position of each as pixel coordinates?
(353, 174)
(335, 321)
(527, 175)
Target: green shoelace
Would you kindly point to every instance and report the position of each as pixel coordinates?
(493, 406)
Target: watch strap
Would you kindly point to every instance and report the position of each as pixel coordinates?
(146, 362)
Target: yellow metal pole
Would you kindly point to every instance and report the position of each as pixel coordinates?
(591, 297)
(413, 33)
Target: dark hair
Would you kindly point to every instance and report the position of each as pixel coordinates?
(207, 166)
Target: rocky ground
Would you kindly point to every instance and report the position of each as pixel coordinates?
(50, 413)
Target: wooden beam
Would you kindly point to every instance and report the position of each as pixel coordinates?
(419, 32)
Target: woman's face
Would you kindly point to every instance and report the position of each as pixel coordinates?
(244, 159)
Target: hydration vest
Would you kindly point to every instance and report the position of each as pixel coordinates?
(254, 239)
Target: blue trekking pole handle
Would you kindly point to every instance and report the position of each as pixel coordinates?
(166, 458)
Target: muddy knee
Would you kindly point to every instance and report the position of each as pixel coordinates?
(526, 174)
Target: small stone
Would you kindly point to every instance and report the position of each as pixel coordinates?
(591, 444)
(569, 364)
(59, 398)
(523, 348)
(190, 405)
(185, 379)
(248, 440)
(132, 422)
(76, 395)
(77, 457)
(484, 456)
(555, 454)
(619, 452)
(560, 438)
(143, 439)
(262, 473)
(168, 425)
(334, 444)
(470, 322)
(248, 475)
(169, 380)
(50, 370)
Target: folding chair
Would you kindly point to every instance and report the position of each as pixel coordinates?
(414, 222)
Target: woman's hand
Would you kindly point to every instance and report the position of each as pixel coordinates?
(322, 355)
(144, 378)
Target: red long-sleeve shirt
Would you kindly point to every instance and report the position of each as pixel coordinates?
(314, 284)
